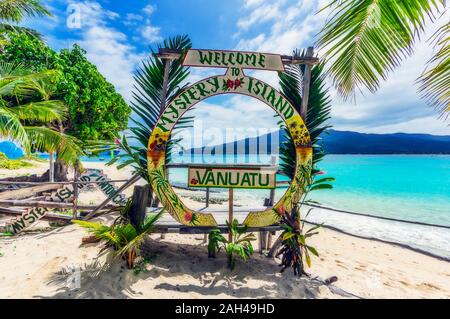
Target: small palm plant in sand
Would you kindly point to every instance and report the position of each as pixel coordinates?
(122, 237)
(239, 246)
(295, 251)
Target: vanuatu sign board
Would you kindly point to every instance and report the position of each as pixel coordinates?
(243, 176)
(234, 59)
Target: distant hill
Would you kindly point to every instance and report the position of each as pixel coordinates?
(335, 142)
(346, 142)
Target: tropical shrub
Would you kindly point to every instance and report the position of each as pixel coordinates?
(122, 237)
(294, 250)
(7, 163)
(239, 246)
(95, 111)
(14, 11)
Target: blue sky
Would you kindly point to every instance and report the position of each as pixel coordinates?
(117, 36)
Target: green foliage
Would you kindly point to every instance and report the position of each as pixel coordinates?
(239, 246)
(294, 250)
(122, 237)
(147, 104)
(435, 82)
(95, 110)
(363, 41)
(7, 163)
(141, 266)
(16, 10)
(34, 158)
(319, 108)
(27, 112)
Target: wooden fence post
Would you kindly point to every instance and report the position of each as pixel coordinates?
(230, 211)
(306, 85)
(207, 197)
(262, 241)
(138, 205)
(75, 189)
(51, 172)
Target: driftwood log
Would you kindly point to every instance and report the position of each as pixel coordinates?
(28, 191)
(24, 203)
(48, 216)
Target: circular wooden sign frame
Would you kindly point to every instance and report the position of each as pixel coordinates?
(233, 82)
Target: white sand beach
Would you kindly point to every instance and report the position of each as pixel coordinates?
(37, 265)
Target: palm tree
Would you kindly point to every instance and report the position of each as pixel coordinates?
(294, 249)
(148, 105)
(27, 112)
(365, 40)
(319, 108)
(14, 11)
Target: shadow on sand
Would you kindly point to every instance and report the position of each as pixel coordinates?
(180, 270)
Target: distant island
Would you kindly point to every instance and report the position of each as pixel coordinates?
(334, 142)
(347, 142)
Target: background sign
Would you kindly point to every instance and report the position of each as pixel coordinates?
(256, 177)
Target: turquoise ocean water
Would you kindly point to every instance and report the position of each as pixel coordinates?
(408, 187)
(412, 187)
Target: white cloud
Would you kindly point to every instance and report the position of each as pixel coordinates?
(115, 59)
(132, 19)
(149, 9)
(92, 13)
(262, 13)
(151, 33)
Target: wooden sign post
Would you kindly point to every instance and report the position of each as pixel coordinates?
(232, 176)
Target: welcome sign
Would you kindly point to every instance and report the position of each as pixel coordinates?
(256, 177)
(234, 59)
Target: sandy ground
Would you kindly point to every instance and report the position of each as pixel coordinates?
(55, 265)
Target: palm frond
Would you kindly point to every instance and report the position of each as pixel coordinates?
(364, 40)
(13, 70)
(11, 127)
(147, 104)
(8, 28)
(435, 81)
(16, 10)
(318, 113)
(17, 81)
(44, 111)
(48, 140)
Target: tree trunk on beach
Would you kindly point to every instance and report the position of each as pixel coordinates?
(61, 171)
